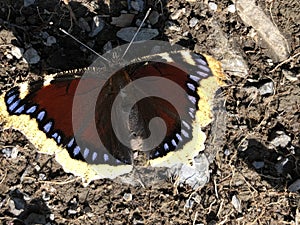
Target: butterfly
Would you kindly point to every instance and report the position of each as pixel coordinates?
(73, 115)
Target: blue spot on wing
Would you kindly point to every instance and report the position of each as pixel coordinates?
(86, 152)
(14, 105)
(76, 150)
(71, 142)
(31, 110)
(56, 137)
(47, 127)
(11, 92)
(41, 115)
(20, 109)
(10, 99)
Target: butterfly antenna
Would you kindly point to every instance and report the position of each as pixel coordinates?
(96, 53)
(136, 33)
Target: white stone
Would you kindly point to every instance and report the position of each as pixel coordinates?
(212, 6)
(17, 52)
(231, 8)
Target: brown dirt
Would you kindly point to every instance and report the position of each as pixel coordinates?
(253, 122)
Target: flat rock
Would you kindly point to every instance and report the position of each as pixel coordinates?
(144, 34)
(252, 15)
(124, 20)
(98, 25)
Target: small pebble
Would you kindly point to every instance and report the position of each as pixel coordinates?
(267, 88)
(50, 41)
(290, 75)
(138, 23)
(51, 216)
(14, 153)
(127, 197)
(178, 13)
(227, 152)
(45, 196)
(37, 168)
(17, 52)
(72, 212)
(281, 140)
(98, 25)
(236, 203)
(9, 56)
(258, 164)
(138, 5)
(270, 62)
(83, 24)
(281, 164)
(44, 34)
(294, 186)
(31, 56)
(173, 27)
(124, 20)
(6, 152)
(153, 17)
(231, 8)
(193, 22)
(42, 176)
(189, 203)
(28, 2)
(107, 47)
(213, 6)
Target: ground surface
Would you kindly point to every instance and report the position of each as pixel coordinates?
(250, 175)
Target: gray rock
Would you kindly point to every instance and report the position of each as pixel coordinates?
(258, 164)
(35, 218)
(153, 17)
(294, 186)
(83, 24)
(124, 20)
(107, 47)
(127, 34)
(195, 176)
(50, 41)
(97, 26)
(281, 164)
(138, 5)
(28, 2)
(31, 56)
(267, 88)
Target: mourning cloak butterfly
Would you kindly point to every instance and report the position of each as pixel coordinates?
(43, 112)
